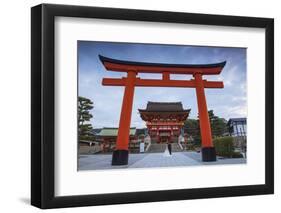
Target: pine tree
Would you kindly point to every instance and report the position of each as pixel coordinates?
(218, 127)
(84, 116)
(192, 129)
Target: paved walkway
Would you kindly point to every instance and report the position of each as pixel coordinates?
(148, 160)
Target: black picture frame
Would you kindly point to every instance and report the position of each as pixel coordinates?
(43, 105)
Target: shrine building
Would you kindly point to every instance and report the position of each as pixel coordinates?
(164, 120)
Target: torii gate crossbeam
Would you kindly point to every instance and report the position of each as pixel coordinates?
(120, 155)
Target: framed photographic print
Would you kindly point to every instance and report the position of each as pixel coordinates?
(139, 106)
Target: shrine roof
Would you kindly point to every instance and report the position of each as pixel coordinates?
(164, 107)
(111, 131)
(146, 67)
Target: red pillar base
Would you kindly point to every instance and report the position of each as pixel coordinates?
(208, 154)
(120, 157)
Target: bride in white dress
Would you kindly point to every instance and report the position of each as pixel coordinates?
(166, 152)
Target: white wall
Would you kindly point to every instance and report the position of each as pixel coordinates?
(15, 105)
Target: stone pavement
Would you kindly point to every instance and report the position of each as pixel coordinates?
(148, 160)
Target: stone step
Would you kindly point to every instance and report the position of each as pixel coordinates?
(176, 147)
(155, 148)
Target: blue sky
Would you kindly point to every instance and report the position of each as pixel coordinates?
(229, 102)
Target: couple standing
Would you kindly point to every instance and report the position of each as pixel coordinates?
(168, 150)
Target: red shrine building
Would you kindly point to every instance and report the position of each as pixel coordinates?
(164, 120)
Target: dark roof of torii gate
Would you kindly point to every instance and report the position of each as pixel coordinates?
(145, 67)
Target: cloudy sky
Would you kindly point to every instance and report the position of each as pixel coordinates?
(229, 102)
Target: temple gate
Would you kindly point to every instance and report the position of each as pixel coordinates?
(120, 155)
(164, 120)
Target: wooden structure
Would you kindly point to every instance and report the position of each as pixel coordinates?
(164, 120)
(108, 136)
(120, 155)
(237, 126)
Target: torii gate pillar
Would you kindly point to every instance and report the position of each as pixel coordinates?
(207, 148)
(121, 153)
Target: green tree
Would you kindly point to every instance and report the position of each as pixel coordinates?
(192, 129)
(84, 116)
(218, 125)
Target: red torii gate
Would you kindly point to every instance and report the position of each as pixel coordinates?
(120, 155)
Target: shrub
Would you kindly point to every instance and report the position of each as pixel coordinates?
(224, 146)
(237, 155)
